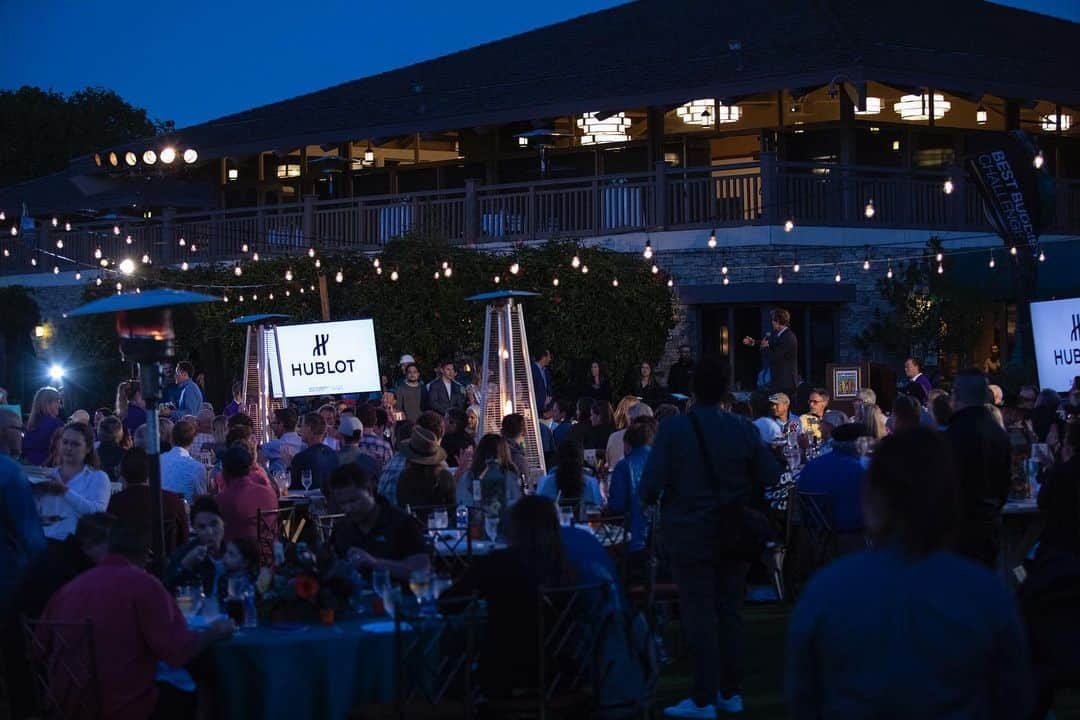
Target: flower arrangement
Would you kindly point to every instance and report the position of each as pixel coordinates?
(304, 587)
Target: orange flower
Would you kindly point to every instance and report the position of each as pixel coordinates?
(306, 587)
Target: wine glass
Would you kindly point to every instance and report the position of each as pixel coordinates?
(491, 527)
(420, 583)
(380, 581)
(305, 480)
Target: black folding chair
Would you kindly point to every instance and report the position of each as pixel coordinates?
(273, 526)
(811, 537)
(449, 549)
(63, 665)
(324, 525)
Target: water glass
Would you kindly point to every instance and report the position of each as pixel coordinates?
(442, 519)
(566, 517)
(305, 480)
(380, 581)
(491, 527)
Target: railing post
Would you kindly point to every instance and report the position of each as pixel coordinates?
(770, 189)
(472, 213)
(958, 214)
(168, 220)
(660, 189)
(307, 222)
(361, 223)
(530, 216)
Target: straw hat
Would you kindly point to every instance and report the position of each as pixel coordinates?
(423, 448)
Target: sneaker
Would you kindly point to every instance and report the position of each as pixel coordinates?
(687, 709)
(732, 704)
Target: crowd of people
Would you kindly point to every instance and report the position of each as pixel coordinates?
(914, 497)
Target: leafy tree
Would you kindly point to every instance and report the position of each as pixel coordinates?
(41, 130)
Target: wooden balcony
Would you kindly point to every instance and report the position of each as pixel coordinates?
(765, 192)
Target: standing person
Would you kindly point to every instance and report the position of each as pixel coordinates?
(181, 473)
(984, 461)
(77, 487)
(235, 405)
(330, 416)
(446, 393)
(316, 457)
(647, 387)
(681, 374)
(914, 373)
(134, 408)
(190, 398)
(411, 394)
(908, 629)
(110, 434)
(44, 421)
(623, 495)
(694, 482)
(779, 353)
(597, 386)
(372, 442)
(541, 379)
(24, 540)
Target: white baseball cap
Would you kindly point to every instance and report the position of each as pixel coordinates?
(406, 360)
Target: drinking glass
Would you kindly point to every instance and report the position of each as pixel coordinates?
(491, 527)
(305, 480)
(189, 599)
(566, 516)
(442, 519)
(420, 584)
(380, 581)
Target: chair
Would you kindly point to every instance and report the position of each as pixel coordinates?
(63, 665)
(272, 526)
(324, 526)
(811, 536)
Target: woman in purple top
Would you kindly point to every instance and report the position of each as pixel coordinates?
(234, 405)
(44, 421)
(136, 407)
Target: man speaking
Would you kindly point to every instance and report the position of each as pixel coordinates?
(779, 354)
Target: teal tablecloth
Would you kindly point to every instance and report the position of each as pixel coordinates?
(310, 671)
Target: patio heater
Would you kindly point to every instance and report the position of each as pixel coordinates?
(506, 375)
(144, 325)
(262, 372)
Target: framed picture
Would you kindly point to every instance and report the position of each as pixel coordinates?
(846, 383)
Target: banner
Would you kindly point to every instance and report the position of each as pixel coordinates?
(1018, 198)
(1056, 326)
(328, 358)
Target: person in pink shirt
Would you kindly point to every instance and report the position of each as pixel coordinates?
(243, 496)
(135, 623)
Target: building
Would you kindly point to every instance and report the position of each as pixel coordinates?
(659, 121)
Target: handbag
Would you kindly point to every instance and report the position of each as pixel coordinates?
(742, 532)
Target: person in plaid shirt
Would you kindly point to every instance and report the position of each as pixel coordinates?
(391, 472)
(371, 442)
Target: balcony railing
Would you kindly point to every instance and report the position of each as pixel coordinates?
(728, 195)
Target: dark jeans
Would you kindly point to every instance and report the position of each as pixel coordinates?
(711, 598)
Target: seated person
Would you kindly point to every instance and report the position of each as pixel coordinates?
(110, 451)
(316, 457)
(820, 413)
(840, 475)
(509, 580)
(569, 481)
(425, 481)
(623, 494)
(239, 563)
(244, 496)
(132, 504)
(373, 535)
(63, 561)
(135, 623)
(198, 561)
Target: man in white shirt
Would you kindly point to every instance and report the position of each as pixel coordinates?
(181, 473)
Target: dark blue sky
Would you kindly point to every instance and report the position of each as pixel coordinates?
(201, 59)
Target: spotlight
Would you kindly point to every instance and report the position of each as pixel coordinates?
(56, 372)
(168, 154)
(127, 266)
(190, 156)
(149, 157)
(130, 159)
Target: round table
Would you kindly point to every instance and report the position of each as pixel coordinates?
(305, 671)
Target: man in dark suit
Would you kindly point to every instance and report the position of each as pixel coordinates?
(541, 380)
(444, 392)
(780, 353)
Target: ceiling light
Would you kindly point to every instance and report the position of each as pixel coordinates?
(615, 128)
(700, 112)
(917, 107)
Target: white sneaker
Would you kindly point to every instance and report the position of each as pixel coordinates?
(732, 704)
(687, 709)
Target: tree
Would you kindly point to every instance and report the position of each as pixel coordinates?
(42, 131)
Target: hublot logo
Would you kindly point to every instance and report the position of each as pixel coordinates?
(1075, 337)
(320, 345)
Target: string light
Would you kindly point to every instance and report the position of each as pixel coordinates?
(948, 187)
(14, 231)
(288, 275)
(940, 256)
(670, 282)
(866, 260)
(97, 281)
(1012, 251)
(116, 230)
(940, 269)
(103, 262)
(270, 296)
(655, 269)
(868, 211)
(712, 239)
(288, 293)
(312, 288)
(1039, 160)
(302, 291)
(449, 271)
(437, 275)
(378, 271)
(1042, 256)
(584, 269)
(60, 244)
(497, 279)
(3, 216)
(515, 268)
(6, 253)
(311, 252)
(615, 282)
(238, 271)
(724, 268)
(55, 222)
(445, 265)
(375, 262)
(193, 248)
(225, 298)
(67, 226)
(393, 275)
(128, 239)
(993, 263)
(789, 225)
(648, 250)
(575, 262)
(78, 275)
(837, 276)
(726, 280)
(182, 242)
(244, 248)
(339, 277)
(255, 256)
(555, 282)
(780, 277)
(184, 266)
(889, 274)
(55, 269)
(795, 266)
(318, 263)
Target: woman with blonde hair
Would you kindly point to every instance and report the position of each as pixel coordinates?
(44, 421)
(621, 419)
(870, 415)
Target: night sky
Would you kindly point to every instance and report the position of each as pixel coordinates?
(194, 61)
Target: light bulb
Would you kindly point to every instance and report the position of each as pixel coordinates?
(648, 250)
(254, 297)
(780, 278)
(724, 269)
(318, 263)
(448, 272)
(437, 275)
(339, 277)
(270, 296)
(238, 271)
(515, 268)
(615, 282)
(129, 240)
(575, 262)
(948, 186)
(244, 248)
(866, 264)
(555, 282)
(14, 231)
(103, 262)
(55, 222)
(116, 230)
(655, 270)
(97, 281)
(3, 216)
(288, 293)
(311, 252)
(393, 275)
(497, 279)
(940, 269)
(182, 242)
(127, 266)
(726, 280)
(584, 269)
(288, 275)
(255, 256)
(889, 273)
(789, 225)
(1039, 160)
(712, 239)
(837, 277)
(1012, 251)
(145, 259)
(796, 266)
(168, 154)
(868, 211)
(378, 271)
(55, 269)
(241, 298)
(939, 257)
(670, 282)
(67, 226)
(119, 287)
(78, 275)
(992, 263)
(375, 262)
(60, 244)
(6, 253)
(184, 266)
(1042, 256)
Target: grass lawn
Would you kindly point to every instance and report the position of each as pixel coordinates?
(766, 629)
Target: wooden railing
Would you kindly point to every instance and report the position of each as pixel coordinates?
(766, 192)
